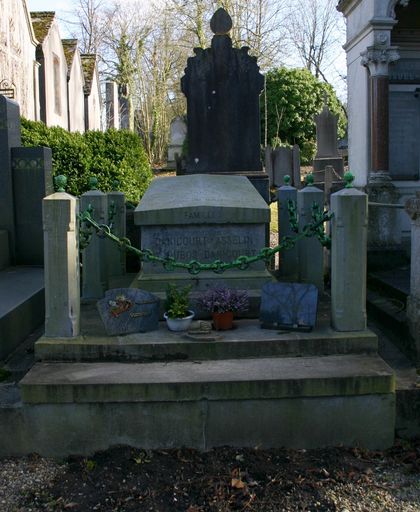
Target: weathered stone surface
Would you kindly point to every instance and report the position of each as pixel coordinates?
(348, 260)
(203, 242)
(32, 181)
(311, 252)
(128, 310)
(201, 199)
(115, 255)
(222, 85)
(204, 218)
(288, 305)
(94, 275)
(62, 278)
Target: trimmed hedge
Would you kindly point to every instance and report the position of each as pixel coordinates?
(111, 155)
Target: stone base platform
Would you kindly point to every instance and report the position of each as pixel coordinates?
(250, 387)
(303, 402)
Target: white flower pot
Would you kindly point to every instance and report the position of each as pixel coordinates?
(179, 324)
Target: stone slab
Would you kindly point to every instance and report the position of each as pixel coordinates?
(201, 199)
(22, 306)
(239, 379)
(247, 339)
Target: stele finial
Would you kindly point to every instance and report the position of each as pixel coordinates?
(309, 179)
(60, 183)
(93, 183)
(221, 22)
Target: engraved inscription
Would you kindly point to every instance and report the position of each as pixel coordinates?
(205, 244)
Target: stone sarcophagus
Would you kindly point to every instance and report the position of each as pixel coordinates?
(204, 218)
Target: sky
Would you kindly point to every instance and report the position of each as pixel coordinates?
(63, 9)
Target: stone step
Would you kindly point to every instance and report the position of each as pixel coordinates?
(247, 340)
(307, 402)
(22, 307)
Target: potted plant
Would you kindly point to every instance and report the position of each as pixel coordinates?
(178, 317)
(222, 303)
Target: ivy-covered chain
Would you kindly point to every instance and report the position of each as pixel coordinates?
(195, 267)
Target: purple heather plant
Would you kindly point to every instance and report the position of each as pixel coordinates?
(222, 299)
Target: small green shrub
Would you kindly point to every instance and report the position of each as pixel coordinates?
(177, 300)
(111, 155)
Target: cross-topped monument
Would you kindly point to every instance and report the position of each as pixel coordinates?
(222, 85)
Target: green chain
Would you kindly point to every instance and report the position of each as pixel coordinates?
(194, 267)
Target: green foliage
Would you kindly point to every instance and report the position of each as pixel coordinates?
(111, 155)
(294, 97)
(177, 301)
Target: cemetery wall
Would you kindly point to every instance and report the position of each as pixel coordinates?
(76, 96)
(93, 104)
(17, 56)
(55, 68)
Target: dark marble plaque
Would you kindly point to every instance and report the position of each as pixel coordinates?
(129, 310)
(222, 85)
(288, 306)
(404, 135)
(32, 181)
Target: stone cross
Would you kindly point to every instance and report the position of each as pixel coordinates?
(222, 85)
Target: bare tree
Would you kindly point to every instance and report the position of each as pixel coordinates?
(315, 32)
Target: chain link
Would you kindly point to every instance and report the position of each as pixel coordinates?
(194, 267)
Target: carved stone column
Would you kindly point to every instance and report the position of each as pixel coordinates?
(377, 60)
(383, 227)
(412, 207)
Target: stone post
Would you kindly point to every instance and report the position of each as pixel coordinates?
(296, 167)
(61, 261)
(311, 252)
(289, 259)
(348, 260)
(412, 207)
(116, 220)
(94, 274)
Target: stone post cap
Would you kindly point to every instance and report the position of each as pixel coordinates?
(412, 206)
(62, 196)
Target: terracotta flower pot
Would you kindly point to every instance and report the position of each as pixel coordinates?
(223, 321)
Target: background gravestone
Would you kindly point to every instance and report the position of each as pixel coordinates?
(32, 181)
(178, 133)
(222, 85)
(9, 137)
(327, 145)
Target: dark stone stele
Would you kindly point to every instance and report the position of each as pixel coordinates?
(129, 310)
(288, 306)
(222, 85)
